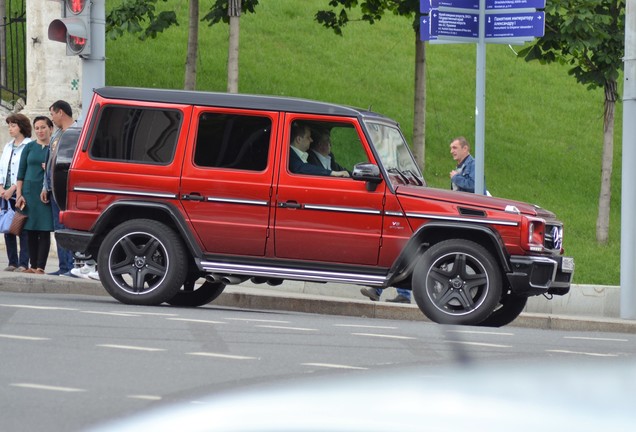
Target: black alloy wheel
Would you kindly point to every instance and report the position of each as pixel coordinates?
(457, 282)
(142, 262)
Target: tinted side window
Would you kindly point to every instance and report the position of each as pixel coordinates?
(233, 141)
(136, 135)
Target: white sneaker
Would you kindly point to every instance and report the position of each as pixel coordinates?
(83, 271)
(94, 275)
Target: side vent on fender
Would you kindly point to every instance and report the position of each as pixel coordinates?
(471, 212)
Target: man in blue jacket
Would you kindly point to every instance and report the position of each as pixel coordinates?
(463, 176)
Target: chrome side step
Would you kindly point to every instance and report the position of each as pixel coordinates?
(291, 273)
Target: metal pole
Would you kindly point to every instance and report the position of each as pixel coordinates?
(628, 193)
(480, 101)
(93, 65)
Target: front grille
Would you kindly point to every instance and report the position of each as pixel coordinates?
(553, 238)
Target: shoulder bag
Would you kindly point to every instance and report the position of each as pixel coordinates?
(6, 216)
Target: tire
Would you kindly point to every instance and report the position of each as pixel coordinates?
(142, 262)
(510, 306)
(190, 297)
(457, 282)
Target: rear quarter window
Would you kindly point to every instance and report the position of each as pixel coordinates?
(232, 141)
(136, 135)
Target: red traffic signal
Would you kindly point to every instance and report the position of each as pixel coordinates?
(73, 28)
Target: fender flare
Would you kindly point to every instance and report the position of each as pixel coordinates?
(421, 239)
(114, 212)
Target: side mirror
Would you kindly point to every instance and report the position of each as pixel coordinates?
(369, 173)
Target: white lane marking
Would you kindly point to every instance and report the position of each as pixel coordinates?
(47, 387)
(31, 338)
(110, 313)
(258, 320)
(38, 307)
(148, 313)
(582, 353)
(480, 332)
(596, 338)
(334, 366)
(225, 356)
(144, 397)
(196, 321)
(286, 328)
(130, 347)
(365, 326)
(383, 336)
(481, 344)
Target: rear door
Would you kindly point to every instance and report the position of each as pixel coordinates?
(226, 186)
(328, 219)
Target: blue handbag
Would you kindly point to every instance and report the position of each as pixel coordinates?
(6, 216)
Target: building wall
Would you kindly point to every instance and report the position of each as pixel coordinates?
(51, 74)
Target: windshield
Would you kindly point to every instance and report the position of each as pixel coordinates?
(394, 154)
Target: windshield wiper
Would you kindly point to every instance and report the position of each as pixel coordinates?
(400, 173)
(415, 177)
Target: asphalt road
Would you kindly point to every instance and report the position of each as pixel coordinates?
(72, 361)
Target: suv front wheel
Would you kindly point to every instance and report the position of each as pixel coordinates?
(457, 282)
(142, 262)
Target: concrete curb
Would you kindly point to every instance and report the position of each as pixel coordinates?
(250, 297)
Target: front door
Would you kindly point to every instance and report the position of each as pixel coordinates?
(320, 217)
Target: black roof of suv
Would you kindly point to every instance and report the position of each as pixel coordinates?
(233, 100)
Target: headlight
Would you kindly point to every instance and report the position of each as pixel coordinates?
(536, 231)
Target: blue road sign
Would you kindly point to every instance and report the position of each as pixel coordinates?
(455, 24)
(425, 29)
(427, 5)
(515, 4)
(510, 25)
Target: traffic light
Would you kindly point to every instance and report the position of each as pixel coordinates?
(74, 28)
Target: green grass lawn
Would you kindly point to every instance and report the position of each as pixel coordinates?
(543, 130)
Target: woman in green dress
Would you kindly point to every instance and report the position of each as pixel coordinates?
(29, 186)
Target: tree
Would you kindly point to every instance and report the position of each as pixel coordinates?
(141, 17)
(589, 35)
(190, 81)
(229, 11)
(372, 11)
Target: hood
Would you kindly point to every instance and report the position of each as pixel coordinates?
(473, 200)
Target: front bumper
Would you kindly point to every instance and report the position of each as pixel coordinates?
(534, 275)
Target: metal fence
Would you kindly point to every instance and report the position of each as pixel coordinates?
(12, 52)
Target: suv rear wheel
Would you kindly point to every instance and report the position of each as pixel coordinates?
(142, 262)
(457, 282)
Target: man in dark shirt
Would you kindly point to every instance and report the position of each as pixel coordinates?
(300, 142)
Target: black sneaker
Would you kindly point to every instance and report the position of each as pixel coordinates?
(399, 299)
(370, 292)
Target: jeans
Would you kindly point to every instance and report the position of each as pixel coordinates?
(11, 242)
(401, 291)
(64, 256)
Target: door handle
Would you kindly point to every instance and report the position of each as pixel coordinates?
(192, 197)
(290, 204)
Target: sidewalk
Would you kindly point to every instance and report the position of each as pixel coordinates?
(585, 308)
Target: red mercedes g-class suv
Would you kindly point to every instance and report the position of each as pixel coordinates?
(179, 193)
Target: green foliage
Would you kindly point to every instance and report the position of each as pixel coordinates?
(371, 10)
(132, 15)
(588, 35)
(219, 10)
(543, 129)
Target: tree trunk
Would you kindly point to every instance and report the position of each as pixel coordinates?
(419, 110)
(234, 11)
(602, 222)
(193, 47)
